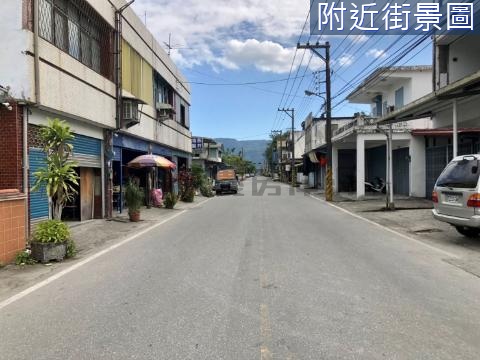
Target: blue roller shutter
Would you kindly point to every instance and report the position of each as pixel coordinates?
(87, 151)
(38, 199)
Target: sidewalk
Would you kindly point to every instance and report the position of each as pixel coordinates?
(413, 218)
(90, 237)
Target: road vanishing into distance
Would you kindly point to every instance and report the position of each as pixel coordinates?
(258, 275)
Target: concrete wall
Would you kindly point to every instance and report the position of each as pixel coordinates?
(421, 85)
(40, 117)
(466, 51)
(16, 70)
(415, 84)
(78, 92)
(169, 133)
(417, 167)
(299, 144)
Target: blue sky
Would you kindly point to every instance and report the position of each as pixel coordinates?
(253, 41)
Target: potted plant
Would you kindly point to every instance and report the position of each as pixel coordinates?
(134, 198)
(50, 241)
(170, 200)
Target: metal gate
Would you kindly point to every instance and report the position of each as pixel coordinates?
(436, 160)
(38, 199)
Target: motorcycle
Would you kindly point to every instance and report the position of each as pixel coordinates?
(377, 185)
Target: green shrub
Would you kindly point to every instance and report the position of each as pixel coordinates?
(198, 176)
(134, 197)
(52, 231)
(170, 200)
(24, 258)
(206, 190)
(71, 249)
(188, 195)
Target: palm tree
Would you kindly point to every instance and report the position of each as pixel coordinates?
(59, 176)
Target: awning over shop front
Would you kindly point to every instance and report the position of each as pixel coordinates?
(317, 157)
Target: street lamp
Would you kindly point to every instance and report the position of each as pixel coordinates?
(311, 93)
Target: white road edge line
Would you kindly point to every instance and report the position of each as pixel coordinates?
(444, 252)
(85, 261)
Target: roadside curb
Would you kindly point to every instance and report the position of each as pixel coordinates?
(385, 228)
(76, 265)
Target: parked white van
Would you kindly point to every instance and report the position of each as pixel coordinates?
(456, 195)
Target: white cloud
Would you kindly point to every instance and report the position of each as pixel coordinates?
(376, 53)
(213, 31)
(346, 60)
(266, 56)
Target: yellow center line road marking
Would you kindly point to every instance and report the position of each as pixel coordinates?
(79, 264)
(438, 250)
(265, 332)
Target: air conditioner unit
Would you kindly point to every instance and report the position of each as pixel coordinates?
(130, 113)
(163, 106)
(164, 111)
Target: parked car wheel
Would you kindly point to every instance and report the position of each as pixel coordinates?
(468, 231)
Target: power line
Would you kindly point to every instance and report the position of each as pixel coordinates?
(227, 82)
(387, 68)
(293, 62)
(239, 84)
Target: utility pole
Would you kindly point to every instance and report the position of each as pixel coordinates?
(291, 113)
(328, 128)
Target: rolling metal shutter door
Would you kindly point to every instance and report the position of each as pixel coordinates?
(87, 151)
(436, 160)
(38, 199)
(401, 172)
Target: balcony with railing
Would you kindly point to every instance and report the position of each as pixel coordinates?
(204, 154)
(366, 126)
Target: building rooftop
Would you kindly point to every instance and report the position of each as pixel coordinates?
(383, 73)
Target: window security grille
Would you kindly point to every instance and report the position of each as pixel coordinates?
(75, 27)
(127, 110)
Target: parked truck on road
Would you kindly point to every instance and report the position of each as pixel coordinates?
(226, 181)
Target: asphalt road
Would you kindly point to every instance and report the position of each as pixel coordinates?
(254, 277)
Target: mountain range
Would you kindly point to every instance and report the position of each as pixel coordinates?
(253, 149)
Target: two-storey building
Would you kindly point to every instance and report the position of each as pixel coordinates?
(94, 64)
(207, 153)
(359, 147)
(452, 105)
(315, 153)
